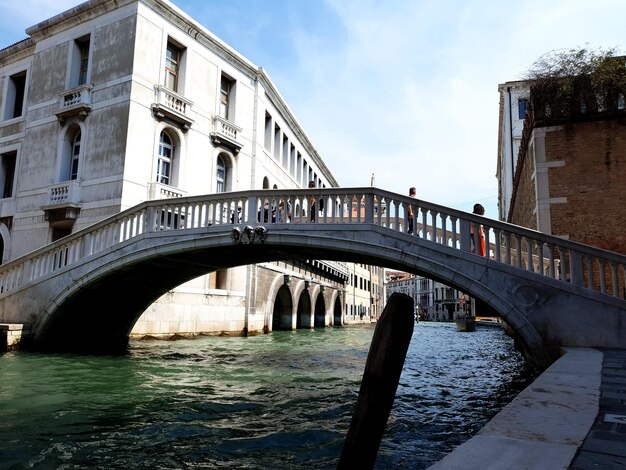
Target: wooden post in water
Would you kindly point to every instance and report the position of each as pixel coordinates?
(380, 380)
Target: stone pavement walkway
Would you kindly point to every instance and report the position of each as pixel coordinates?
(604, 448)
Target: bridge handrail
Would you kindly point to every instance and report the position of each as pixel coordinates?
(551, 256)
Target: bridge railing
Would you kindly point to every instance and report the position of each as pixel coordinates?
(550, 256)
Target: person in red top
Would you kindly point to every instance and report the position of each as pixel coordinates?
(482, 246)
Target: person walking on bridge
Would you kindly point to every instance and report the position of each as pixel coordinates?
(409, 212)
(315, 208)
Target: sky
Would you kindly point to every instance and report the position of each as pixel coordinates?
(406, 90)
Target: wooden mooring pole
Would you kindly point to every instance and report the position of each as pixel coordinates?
(380, 380)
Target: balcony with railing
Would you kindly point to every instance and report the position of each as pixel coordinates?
(225, 133)
(63, 201)
(171, 106)
(75, 102)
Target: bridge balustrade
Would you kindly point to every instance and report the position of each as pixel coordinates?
(322, 209)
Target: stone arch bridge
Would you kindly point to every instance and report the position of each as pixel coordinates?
(96, 282)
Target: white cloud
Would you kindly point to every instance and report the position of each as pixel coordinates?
(411, 92)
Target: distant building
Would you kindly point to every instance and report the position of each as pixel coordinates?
(110, 104)
(364, 294)
(433, 300)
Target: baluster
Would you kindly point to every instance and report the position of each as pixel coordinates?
(49, 263)
(602, 276)
(453, 229)
(518, 247)
(213, 218)
(202, 217)
(393, 222)
(507, 239)
(444, 235)
(182, 210)
(590, 276)
(551, 262)
(529, 254)
(623, 290)
(193, 215)
(540, 267)
(384, 209)
(149, 220)
(424, 223)
(433, 228)
(615, 283)
(562, 264)
(497, 234)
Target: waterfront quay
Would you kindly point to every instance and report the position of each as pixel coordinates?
(573, 416)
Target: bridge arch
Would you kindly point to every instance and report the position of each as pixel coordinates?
(303, 312)
(65, 290)
(337, 311)
(320, 310)
(61, 322)
(282, 316)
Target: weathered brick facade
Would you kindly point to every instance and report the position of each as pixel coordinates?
(523, 211)
(586, 181)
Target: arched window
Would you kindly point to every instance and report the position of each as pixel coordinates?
(165, 159)
(75, 156)
(266, 183)
(70, 154)
(221, 175)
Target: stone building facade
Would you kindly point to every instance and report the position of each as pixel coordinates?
(113, 103)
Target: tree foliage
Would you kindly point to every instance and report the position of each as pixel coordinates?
(578, 81)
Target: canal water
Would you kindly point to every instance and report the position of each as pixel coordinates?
(265, 402)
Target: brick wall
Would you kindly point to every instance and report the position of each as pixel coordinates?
(522, 212)
(593, 180)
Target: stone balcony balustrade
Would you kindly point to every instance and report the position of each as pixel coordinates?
(75, 102)
(173, 107)
(63, 201)
(226, 133)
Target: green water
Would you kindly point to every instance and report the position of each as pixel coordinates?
(273, 401)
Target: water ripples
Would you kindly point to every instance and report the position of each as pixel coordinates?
(274, 401)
